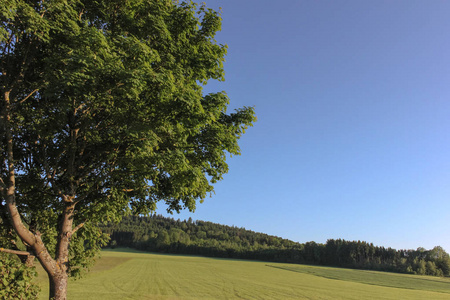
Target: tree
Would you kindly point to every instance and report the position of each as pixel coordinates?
(163, 239)
(441, 258)
(102, 112)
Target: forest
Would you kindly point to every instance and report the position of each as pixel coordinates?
(166, 235)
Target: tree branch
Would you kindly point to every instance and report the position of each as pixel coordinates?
(16, 220)
(79, 226)
(17, 252)
(29, 95)
(2, 186)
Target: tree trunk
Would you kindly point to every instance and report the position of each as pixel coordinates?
(58, 286)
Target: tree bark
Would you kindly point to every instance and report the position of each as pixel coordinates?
(58, 286)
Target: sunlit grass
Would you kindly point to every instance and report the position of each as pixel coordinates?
(136, 275)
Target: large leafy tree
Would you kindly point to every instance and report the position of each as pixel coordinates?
(102, 111)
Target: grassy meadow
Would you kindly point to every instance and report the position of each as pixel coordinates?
(127, 274)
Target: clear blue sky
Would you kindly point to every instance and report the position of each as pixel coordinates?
(353, 133)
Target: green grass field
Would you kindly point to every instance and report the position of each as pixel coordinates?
(126, 274)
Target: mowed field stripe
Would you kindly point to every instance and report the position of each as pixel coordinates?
(387, 279)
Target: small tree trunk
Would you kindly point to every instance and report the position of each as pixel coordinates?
(58, 286)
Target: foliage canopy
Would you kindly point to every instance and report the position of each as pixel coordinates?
(16, 279)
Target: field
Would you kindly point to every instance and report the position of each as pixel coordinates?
(128, 274)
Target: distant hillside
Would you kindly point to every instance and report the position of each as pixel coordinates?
(161, 234)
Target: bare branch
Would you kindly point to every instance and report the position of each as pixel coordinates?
(78, 227)
(67, 198)
(81, 106)
(80, 14)
(29, 95)
(17, 252)
(43, 12)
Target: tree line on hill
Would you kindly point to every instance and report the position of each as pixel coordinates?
(160, 234)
